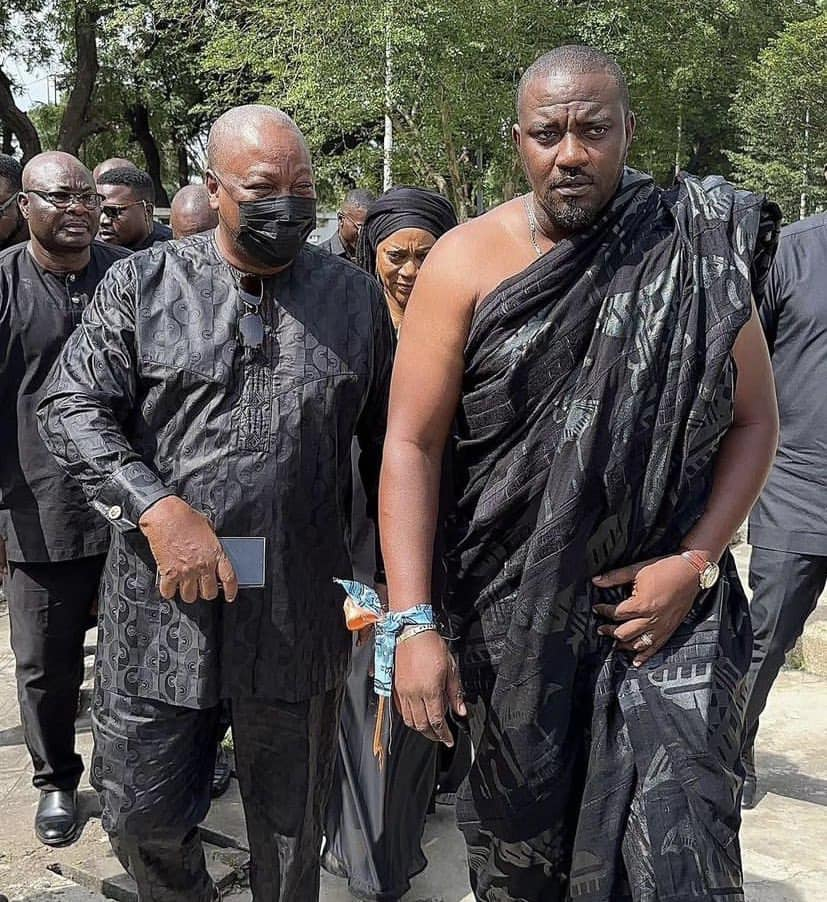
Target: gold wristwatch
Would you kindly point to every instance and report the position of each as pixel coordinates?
(708, 571)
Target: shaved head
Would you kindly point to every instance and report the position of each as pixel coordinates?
(247, 127)
(190, 212)
(573, 59)
(62, 208)
(112, 163)
(48, 170)
(257, 158)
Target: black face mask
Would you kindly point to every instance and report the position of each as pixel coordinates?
(274, 229)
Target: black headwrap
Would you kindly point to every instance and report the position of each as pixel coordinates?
(402, 208)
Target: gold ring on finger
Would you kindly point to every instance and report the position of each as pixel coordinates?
(647, 640)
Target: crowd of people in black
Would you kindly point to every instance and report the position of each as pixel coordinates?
(533, 434)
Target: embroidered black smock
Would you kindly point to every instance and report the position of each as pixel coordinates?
(155, 395)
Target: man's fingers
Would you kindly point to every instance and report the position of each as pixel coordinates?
(436, 708)
(626, 610)
(188, 589)
(619, 577)
(453, 689)
(641, 657)
(208, 586)
(226, 574)
(168, 584)
(628, 631)
(421, 720)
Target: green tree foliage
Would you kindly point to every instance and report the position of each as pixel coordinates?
(782, 113)
(445, 74)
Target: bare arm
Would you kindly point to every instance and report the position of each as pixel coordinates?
(425, 390)
(747, 450)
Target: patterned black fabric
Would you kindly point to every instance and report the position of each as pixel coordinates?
(152, 767)
(159, 233)
(48, 518)
(598, 385)
(155, 395)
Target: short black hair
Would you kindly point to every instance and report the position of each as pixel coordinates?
(137, 180)
(359, 197)
(12, 171)
(574, 59)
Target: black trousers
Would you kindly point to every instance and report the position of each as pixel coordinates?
(786, 587)
(49, 606)
(152, 767)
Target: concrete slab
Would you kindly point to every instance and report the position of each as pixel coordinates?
(104, 874)
(224, 825)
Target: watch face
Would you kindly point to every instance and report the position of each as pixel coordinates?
(710, 575)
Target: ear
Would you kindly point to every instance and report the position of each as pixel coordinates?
(150, 209)
(23, 204)
(212, 187)
(516, 134)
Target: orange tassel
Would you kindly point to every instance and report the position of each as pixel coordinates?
(357, 617)
(378, 748)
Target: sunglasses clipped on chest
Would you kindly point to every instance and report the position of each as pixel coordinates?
(250, 324)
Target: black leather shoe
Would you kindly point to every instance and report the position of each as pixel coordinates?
(56, 821)
(221, 772)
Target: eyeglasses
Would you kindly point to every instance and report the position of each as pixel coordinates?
(356, 225)
(62, 200)
(251, 325)
(7, 203)
(113, 211)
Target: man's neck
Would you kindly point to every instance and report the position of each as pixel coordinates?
(64, 262)
(348, 249)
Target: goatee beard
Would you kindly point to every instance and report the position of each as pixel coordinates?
(565, 214)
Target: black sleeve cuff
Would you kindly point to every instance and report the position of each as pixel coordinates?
(127, 493)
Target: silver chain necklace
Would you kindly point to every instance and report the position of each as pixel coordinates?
(532, 225)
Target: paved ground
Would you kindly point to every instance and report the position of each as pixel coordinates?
(784, 839)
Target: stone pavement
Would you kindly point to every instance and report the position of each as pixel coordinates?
(784, 838)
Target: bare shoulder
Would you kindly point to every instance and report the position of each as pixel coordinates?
(473, 258)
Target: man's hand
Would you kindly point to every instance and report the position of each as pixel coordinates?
(663, 590)
(189, 556)
(426, 685)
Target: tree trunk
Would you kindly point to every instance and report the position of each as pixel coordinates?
(16, 122)
(138, 117)
(6, 146)
(183, 158)
(77, 123)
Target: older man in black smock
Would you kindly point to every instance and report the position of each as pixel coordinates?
(214, 389)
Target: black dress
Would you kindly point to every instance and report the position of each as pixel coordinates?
(375, 818)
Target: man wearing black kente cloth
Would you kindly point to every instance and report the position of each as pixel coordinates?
(56, 542)
(214, 389)
(127, 208)
(595, 342)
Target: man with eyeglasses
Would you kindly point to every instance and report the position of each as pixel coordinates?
(214, 389)
(127, 208)
(13, 228)
(56, 542)
(351, 218)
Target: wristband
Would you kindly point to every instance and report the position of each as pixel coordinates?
(363, 607)
(410, 631)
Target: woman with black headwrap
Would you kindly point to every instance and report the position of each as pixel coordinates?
(376, 816)
(401, 227)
